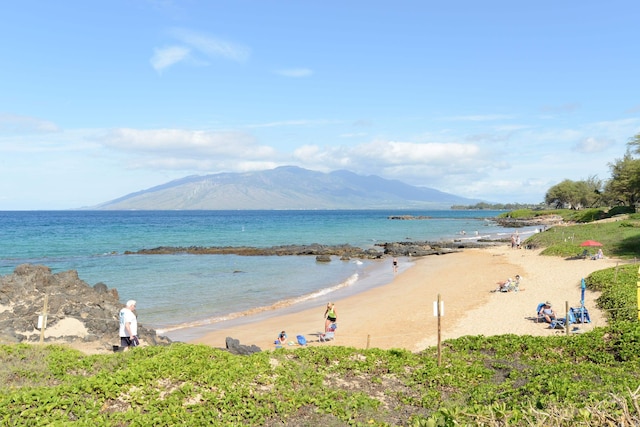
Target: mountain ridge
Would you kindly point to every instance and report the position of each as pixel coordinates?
(285, 187)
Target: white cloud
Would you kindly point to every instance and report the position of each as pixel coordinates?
(478, 118)
(295, 72)
(185, 149)
(407, 161)
(593, 145)
(287, 123)
(168, 56)
(408, 152)
(13, 123)
(564, 108)
(212, 46)
(196, 47)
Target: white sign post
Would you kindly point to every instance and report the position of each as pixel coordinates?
(438, 311)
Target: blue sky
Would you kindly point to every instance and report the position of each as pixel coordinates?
(496, 100)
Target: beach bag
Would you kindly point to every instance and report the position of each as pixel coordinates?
(301, 340)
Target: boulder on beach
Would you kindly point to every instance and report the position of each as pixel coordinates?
(76, 313)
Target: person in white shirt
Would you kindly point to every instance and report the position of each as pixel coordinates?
(128, 326)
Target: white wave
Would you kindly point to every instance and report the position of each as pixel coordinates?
(277, 305)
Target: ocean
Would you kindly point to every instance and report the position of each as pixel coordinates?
(184, 296)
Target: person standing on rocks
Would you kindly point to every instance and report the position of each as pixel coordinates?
(128, 326)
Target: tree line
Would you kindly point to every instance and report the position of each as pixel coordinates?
(621, 189)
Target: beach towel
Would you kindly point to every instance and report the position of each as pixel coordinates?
(301, 340)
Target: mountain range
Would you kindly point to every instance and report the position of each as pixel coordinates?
(285, 187)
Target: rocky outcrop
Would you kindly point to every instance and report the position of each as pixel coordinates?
(233, 346)
(543, 220)
(322, 253)
(315, 249)
(76, 311)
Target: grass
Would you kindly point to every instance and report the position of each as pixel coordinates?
(620, 239)
(589, 379)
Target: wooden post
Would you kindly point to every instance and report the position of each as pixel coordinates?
(439, 329)
(566, 319)
(638, 297)
(44, 318)
(368, 340)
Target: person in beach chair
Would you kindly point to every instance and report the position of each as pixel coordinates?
(330, 334)
(545, 312)
(584, 255)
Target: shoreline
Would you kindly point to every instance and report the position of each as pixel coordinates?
(375, 276)
(400, 314)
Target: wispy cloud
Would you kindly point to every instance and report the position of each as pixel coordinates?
(564, 108)
(478, 118)
(198, 47)
(12, 123)
(185, 149)
(165, 57)
(294, 72)
(212, 46)
(286, 123)
(593, 145)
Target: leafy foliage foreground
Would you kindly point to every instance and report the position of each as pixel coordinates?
(504, 380)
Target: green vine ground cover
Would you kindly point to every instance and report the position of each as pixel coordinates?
(589, 379)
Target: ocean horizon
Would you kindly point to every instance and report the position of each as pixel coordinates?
(184, 296)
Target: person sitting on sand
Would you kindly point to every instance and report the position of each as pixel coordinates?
(282, 338)
(546, 311)
(504, 286)
(598, 255)
(516, 283)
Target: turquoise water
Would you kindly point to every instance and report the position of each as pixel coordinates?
(178, 294)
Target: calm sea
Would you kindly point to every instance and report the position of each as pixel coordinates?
(185, 295)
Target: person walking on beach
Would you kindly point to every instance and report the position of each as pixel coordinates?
(330, 315)
(128, 326)
(395, 265)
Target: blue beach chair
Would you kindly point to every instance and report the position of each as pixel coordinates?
(579, 315)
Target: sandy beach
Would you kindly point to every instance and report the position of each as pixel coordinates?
(400, 314)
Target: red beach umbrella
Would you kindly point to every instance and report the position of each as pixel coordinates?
(590, 243)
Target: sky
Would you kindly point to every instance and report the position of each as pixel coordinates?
(490, 100)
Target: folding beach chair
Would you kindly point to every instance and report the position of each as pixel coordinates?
(557, 323)
(327, 336)
(539, 318)
(579, 315)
